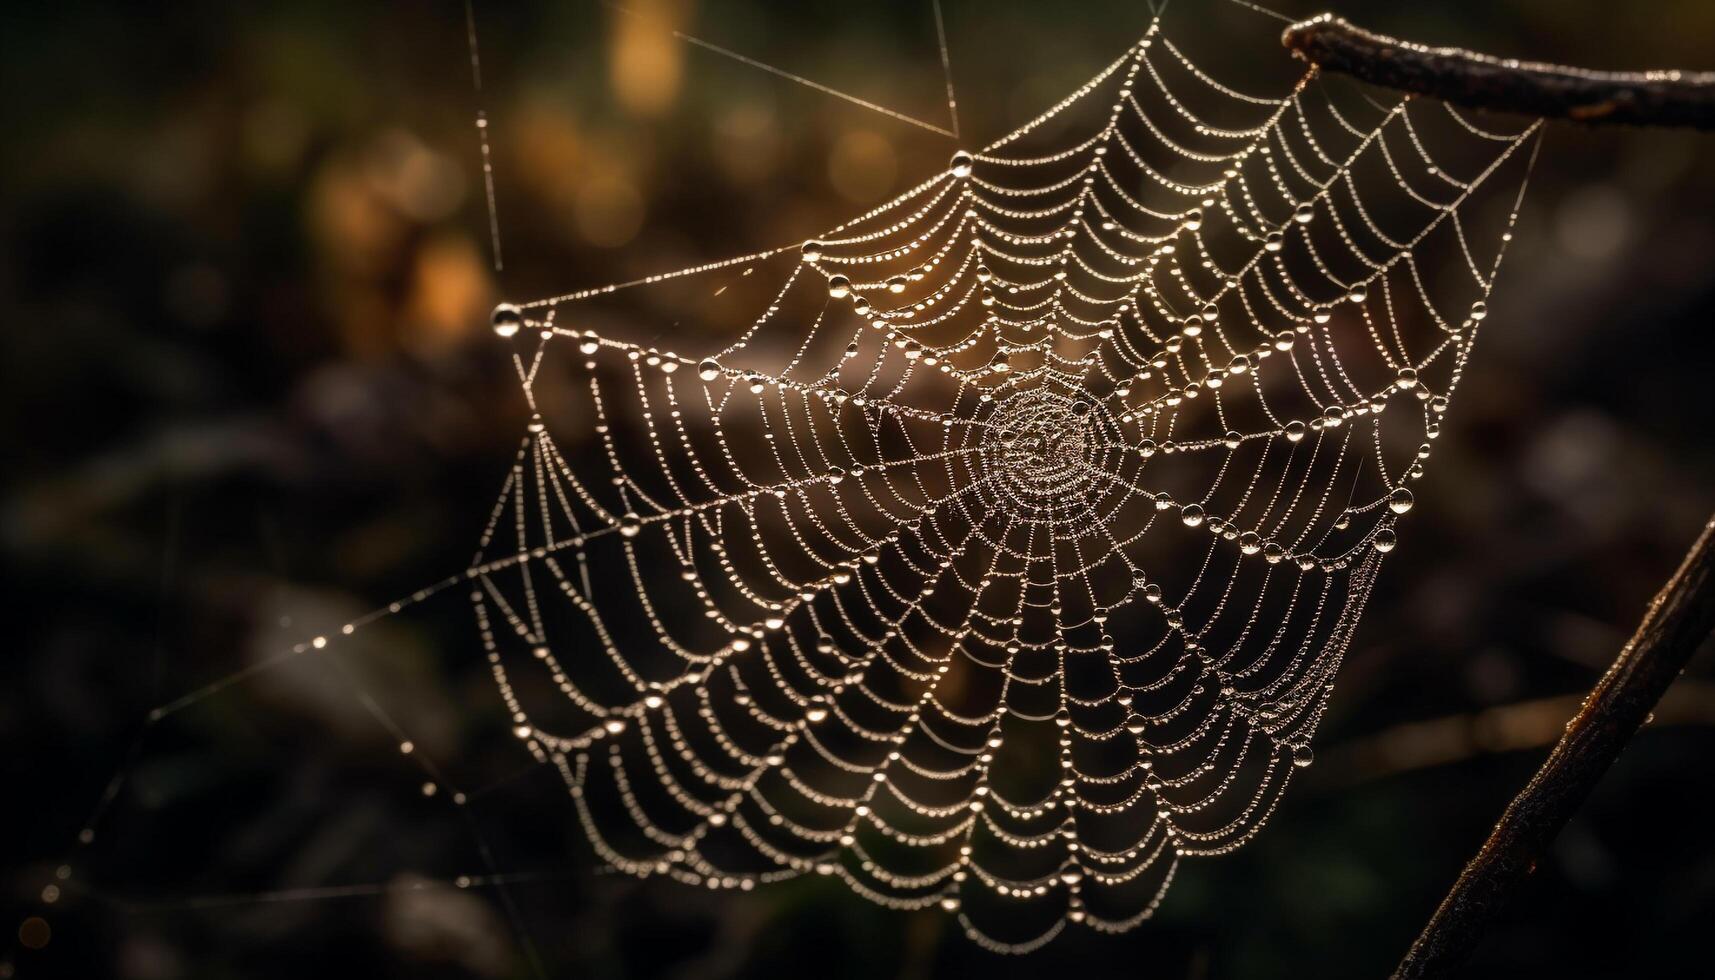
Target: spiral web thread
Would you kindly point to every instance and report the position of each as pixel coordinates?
(1008, 556)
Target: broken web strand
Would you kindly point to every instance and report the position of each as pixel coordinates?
(959, 203)
(1130, 350)
(435, 784)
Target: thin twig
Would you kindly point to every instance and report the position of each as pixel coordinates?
(1678, 622)
(1516, 727)
(1683, 613)
(1682, 99)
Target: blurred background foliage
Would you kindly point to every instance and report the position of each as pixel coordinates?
(250, 390)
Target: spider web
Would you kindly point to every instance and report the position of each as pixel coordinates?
(1005, 553)
(1007, 556)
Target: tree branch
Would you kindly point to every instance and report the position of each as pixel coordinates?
(1516, 727)
(1678, 621)
(1683, 614)
(1658, 98)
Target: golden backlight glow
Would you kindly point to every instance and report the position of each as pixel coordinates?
(647, 61)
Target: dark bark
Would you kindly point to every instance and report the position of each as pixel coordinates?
(1682, 615)
(1659, 98)
(1677, 623)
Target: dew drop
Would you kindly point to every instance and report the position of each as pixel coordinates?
(1400, 501)
(709, 369)
(961, 164)
(1191, 514)
(506, 319)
